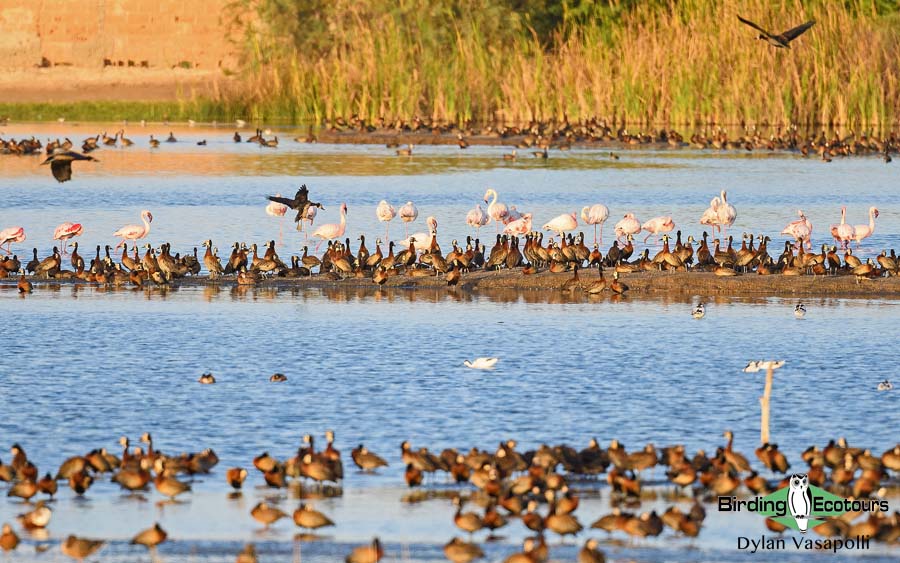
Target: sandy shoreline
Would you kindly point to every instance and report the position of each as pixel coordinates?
(643, 284)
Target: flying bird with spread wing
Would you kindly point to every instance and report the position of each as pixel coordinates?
(300, 204)
(61, 164)
(782, 40)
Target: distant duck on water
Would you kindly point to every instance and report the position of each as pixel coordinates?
(800, 310)
(885, 385)
(699, 311)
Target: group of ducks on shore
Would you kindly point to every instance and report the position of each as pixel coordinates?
(528, 254)
(534, 487)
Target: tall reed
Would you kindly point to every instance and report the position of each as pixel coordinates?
(662, 62)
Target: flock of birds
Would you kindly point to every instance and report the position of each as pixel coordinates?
(518, 247)
(534, 488)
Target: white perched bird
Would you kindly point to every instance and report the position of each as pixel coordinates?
(757, 365)
(481, 363)
(699, 311)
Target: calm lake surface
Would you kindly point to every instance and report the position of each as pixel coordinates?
(83, 366)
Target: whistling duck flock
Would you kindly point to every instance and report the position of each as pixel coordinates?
(538, 489)
(518, 248)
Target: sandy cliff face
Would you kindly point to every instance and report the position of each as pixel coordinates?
(49, 48)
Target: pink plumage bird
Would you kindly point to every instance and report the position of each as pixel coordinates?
(66, 231)
(11, 235)
(331, 231)
(135, 232)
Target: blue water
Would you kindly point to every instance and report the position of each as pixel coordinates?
(83, 366)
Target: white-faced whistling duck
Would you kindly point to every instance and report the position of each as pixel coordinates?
(207, 379)
(278, 378)
(367, 553)
(459, 551)
(151, 537)
(248, 554)
(80, 548)
(235, 477)
(266, 515)
(309, 518)
(8, 538)
(366, 460)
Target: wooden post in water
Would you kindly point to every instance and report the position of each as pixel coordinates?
(764, 404)
(765, 401)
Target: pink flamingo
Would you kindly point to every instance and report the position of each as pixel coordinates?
(801, 230)
(477, 218)
(512, 215)
(66, 231)
(595, 215)
(562, 223)
(408, 214)
(423, 240)
(385, 213)
(710, 217)
(662, 224)
(275, 209)
(332, 231)
(310, 217)
(861, 232)
(519, 226)
(628, 225)
(135, 232)
(11, 235)
(497, 211)
(843, 233)
(726, 213)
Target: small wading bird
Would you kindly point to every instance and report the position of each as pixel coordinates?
(782, 40)
(300, 204)
(61, 164)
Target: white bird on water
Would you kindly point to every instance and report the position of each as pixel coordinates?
(699, 311)
(481, 363)
(885, 385)
(800, 310)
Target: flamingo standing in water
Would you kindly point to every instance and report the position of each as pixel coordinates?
(512, 215)
(843, 233)
(628, 225)
(11, 235)
(662, 224)
(727, 214)
(861, 232)
(477, 218)
(275, 209)
(562, 223)
(497, 211)
(66, 231)
(710, 217)
(520, 226)
(801, 230)
(310, 216)
(135, 232)
(332, 231)
(422, 241)
(595, 215)
(385, 213)
(408, 214)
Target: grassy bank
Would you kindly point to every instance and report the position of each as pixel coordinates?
(200, 110)
(656, 61)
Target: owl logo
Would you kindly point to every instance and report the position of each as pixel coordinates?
(800, 500)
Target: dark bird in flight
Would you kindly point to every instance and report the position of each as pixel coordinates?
(61, 164)
(782, 40)
(300, 203)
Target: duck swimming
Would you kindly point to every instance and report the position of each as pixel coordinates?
(800, 310)
(885, 385)
(699, 311)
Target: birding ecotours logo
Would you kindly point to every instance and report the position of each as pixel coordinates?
(799, 506)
